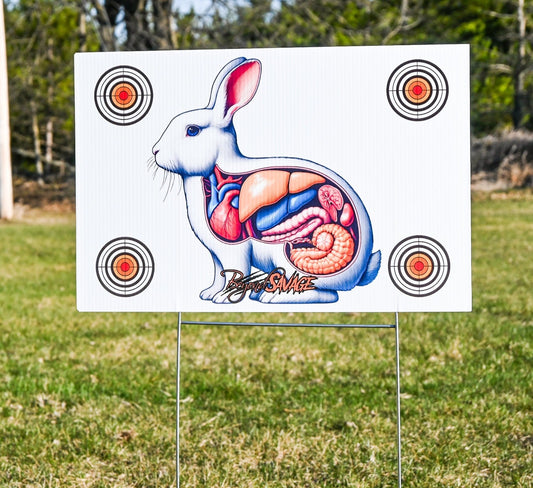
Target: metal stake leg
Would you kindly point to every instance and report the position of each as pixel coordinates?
(370, 326)
(178, 405)
(398, 417)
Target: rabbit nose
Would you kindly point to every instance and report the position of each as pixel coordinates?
(155, 151)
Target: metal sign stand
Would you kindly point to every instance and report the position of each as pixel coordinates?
(394, 326)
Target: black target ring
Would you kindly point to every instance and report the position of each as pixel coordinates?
(417, 90)
(419, 266)
(125, 266)
(123, 95)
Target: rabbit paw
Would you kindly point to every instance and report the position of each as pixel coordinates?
(209, 293)
(221, 297)
(214, 295)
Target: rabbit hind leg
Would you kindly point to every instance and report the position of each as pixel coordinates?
(218, 281)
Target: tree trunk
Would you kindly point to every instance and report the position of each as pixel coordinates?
(520, 94)
(403, 22)
(162, 23)
(82, 32)
(49, 138)
(6, 182)
(105, 27)
(49, 141)
(139, 26)
(37, 143)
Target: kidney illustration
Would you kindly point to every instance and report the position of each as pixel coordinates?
(280, 229)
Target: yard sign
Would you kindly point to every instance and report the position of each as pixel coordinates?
(258, 180)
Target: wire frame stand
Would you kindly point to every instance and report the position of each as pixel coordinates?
(394, 326)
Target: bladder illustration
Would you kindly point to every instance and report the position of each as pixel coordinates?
(281, 229)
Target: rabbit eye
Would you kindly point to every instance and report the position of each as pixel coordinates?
(193, 130)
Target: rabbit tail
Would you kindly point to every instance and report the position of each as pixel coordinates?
(372, 269)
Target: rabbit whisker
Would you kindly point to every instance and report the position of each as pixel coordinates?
(152, 166)
(168, 181)
(165, 176)
(169, 187)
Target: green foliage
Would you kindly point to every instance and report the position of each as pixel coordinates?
(44, 34)
(42, 39)
(490, 27)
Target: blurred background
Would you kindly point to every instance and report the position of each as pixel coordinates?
(89, 400)
(43, 35)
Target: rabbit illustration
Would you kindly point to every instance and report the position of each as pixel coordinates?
(287, 230)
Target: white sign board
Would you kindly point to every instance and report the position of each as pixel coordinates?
(309, 179)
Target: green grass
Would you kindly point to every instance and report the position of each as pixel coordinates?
(88, 400)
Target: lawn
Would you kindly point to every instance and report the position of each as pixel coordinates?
(89, 400)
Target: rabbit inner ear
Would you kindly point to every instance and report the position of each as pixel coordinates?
(220, 79)
(241, 86)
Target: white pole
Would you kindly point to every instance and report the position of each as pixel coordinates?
(178, 403)
(6, 182)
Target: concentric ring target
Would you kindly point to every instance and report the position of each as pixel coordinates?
(125, 266)
(123, 95)
(417, 90)
(419, 266)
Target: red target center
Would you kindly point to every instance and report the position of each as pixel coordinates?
(417, 90)
(125, 267)
(123, 95)
(419, 266)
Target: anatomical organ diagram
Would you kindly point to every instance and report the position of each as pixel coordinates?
(283, 229)
(303, 210)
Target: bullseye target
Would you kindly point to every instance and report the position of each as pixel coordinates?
(417, 90)
(123, 95)
(419, 266)
(125, 266)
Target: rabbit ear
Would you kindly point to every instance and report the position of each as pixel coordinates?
(220, 77)
(237, 88)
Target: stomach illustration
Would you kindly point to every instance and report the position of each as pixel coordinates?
(301, 209)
